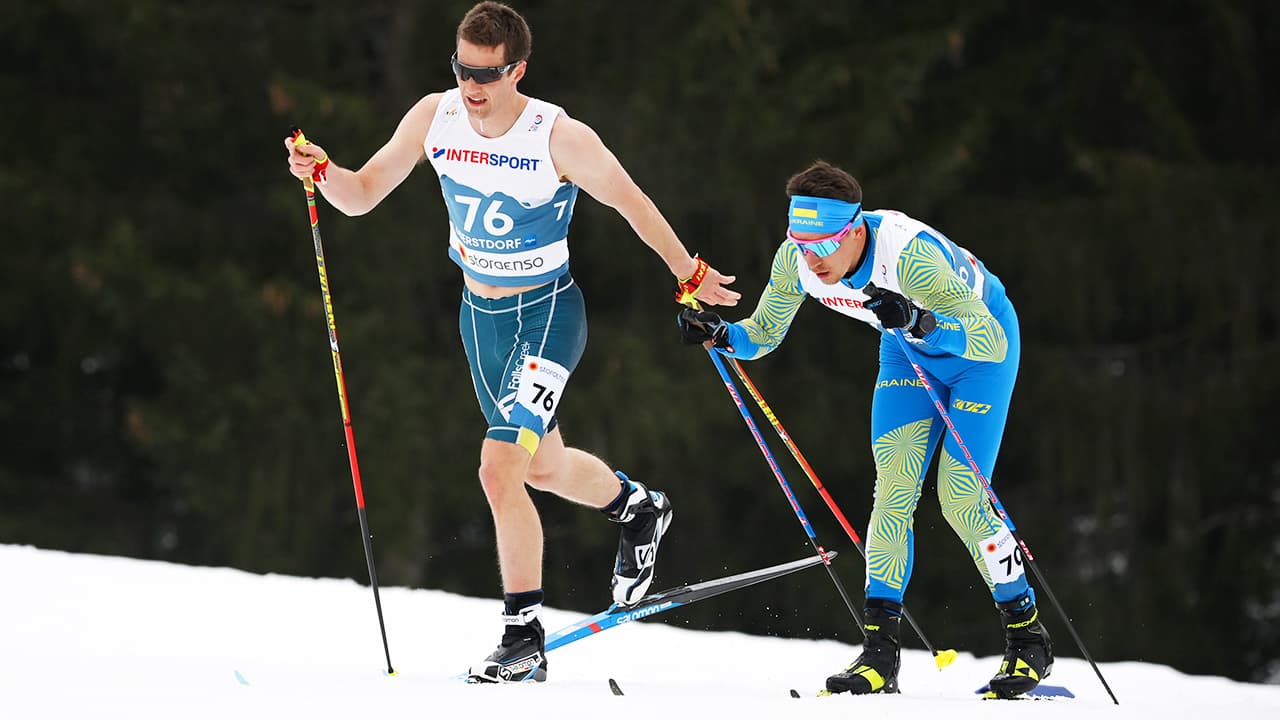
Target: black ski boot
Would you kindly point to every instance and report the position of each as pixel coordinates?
(876, 669)
(521, 656)
(645, 516)
(1028, 656)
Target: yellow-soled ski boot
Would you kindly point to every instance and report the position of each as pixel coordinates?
(1028, 656)
(876, 669)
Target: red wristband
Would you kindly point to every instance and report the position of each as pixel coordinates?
(688, 288)
(320, 174)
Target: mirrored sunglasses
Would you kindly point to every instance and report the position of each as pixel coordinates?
(822, 246)
(482, 75)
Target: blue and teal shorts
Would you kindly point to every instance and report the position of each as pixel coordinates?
(522, 350)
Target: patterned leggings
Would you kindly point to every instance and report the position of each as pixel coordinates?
(905, 430)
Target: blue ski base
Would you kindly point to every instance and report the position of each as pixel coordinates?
(661, 602)
(1039, 691)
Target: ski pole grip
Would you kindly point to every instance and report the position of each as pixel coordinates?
(320, 174)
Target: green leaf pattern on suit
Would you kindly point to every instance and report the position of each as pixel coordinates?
(779, 302)
(927, 278)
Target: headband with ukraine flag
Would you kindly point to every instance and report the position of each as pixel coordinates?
(819, 214)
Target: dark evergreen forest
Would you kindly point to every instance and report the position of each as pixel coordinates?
(167, 392)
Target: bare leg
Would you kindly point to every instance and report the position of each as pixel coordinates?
(585, 479)
(503, 467)
(572, 474)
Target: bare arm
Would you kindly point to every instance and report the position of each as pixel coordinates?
(359, 191)
(582, 158)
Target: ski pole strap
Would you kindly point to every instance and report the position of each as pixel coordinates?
(321, 173)
(687, 288)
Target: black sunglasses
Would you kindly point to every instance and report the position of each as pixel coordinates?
(482, 75)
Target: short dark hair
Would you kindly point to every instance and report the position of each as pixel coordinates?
(822, 179)
(490, 24)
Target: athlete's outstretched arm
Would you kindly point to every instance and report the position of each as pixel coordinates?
(758, 335)
(356, 192)
(582, 158)
(965, 324)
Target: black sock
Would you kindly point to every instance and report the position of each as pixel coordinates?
(1018, 604)
(887, 606)
(515, 602)
(615, 507)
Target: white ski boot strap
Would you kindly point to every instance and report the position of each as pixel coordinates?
(523, 616)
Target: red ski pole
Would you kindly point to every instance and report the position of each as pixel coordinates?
(308, 184)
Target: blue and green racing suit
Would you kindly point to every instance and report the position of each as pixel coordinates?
(971, 361)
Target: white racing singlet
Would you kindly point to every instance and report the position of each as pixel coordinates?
(508, 210)
(894, 231)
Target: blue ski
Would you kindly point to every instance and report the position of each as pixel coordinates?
(1039, 691)
(665, 600)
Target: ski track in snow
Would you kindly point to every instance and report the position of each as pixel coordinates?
(106, 637)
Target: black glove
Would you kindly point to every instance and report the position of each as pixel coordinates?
(896, 311)
(699, 326)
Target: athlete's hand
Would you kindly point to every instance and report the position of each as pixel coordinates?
(703, 327)
(706, 285)
(307, 160)
(894, 310)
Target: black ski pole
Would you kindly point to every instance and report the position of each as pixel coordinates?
(999, 508)
(309, 185)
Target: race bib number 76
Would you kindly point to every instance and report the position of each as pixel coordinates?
(541, 383)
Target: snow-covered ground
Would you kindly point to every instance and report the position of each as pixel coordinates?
(96, 637)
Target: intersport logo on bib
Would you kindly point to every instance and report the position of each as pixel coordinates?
(480, 157)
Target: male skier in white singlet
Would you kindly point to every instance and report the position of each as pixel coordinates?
(510, 167)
